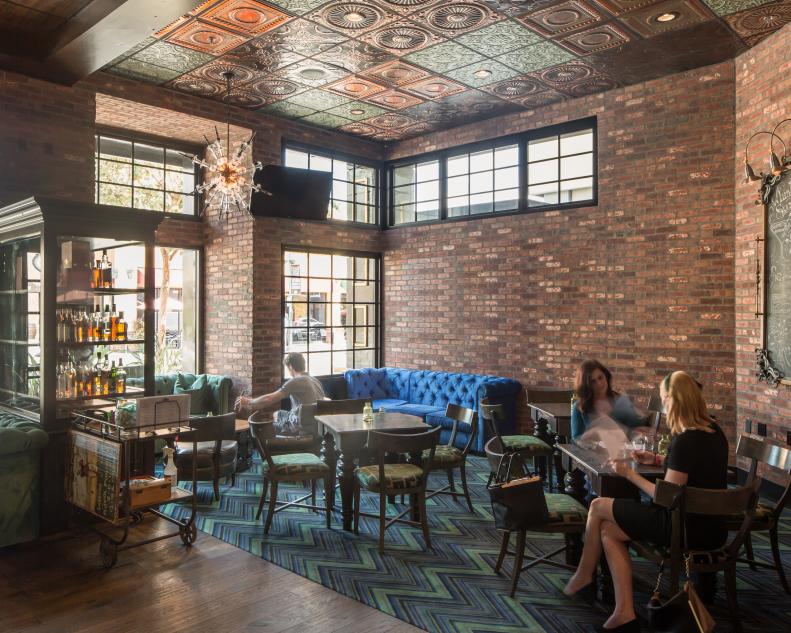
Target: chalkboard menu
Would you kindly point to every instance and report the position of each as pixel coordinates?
(777, 327)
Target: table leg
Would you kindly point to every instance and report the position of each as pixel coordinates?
(417, 460)
(346, 480)
(541, 431)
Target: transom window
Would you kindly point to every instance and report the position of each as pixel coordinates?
(144, 175)
(550, 167)
(331, 310)
(355, 189)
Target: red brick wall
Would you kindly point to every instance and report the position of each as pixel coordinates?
(643, 281)
(763, 99)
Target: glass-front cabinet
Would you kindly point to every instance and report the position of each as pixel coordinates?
(76, 306)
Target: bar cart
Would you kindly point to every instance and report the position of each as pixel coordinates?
(99, 480)
(77, 285)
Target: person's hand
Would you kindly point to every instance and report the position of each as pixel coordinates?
(621, 467)
(644, 457)
(242, 403)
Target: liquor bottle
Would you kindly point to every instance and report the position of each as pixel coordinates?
(106, 324)
(120, 327)
(113, 324)
(96, 275)
(120, 378)
(71, 375)
(98, 327)
(107, 271)
(113, 381)
(59, 326)
(105, 375)
(97, 375)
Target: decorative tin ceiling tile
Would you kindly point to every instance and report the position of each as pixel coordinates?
(402, 37)
(206, 38)
(590, 86)
(562, 18)
(474, 103)
(284, 108)
(274, 88)
(353, 18)
(312, 72)
(444, 57)
(514, 8)
(203, 6)
(149, 73)
(454, 18)
(396, 73)
(540, 99)
(436, 113)
(516, 88)
(358, 129)
(318, 99)
(200, 86)
(668, 15)
(262, 55)
(214, 71)
(727, 7)
(297, 7)
(617, 7)
(566, 74)
(304, 37)
(483, 73)
(391, 120)
(535, 57)
(434, 87)
(355, 56)
(173, 57)
(324, 119)
(355, 87)
(761, 21)
(139, 47)
(177, 23)
(594, 40)
(499, 38)
(356, 110)
(244, 16)
(394, 100)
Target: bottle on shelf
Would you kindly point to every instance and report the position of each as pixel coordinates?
(113, 324)
(120, 327)
(113, 381)
(98, 327)
(107, 271)
(96, 275)
(87, 373)
(106, 324)
(105, 375)
(120, 377)
(97, 375)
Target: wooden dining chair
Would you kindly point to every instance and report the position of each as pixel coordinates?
(289, 467)
(213, 455)
(567, 516)
(388, 479)
(528, 446)
(449, 457)
(739, 501)
(767, 514)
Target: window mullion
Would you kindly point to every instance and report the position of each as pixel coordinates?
(443, 186)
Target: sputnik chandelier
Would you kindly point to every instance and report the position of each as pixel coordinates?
(228, 180)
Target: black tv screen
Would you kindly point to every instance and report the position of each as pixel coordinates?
(295, 193)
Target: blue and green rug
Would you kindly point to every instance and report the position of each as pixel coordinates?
(452, 588)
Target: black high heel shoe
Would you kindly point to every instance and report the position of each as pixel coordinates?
(632, 626)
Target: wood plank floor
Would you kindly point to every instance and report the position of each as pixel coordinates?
(59, 586)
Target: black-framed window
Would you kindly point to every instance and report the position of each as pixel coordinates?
(331, 308)
(548, 168)
(145, 175)
(355, 184)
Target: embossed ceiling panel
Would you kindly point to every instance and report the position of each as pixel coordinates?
(391, 69)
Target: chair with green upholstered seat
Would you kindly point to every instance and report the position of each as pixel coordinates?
(393, 479)
(449, 457)
(567, 516)
(289, 467)
(528, 446)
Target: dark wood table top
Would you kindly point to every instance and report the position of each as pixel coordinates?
(552, 409)
(594, 461)
(345, 423)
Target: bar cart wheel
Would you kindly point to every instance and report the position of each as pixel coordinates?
(136, 518)
(108, 550)
(188, 533)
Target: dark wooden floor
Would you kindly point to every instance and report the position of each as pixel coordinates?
(59, 586)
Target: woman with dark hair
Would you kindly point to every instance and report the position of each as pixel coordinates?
(595, 397)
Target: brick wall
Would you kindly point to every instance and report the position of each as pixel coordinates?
(643, 281)
(763, 99)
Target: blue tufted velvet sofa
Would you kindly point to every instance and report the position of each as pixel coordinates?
(426, 393)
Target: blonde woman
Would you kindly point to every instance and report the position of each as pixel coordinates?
(698, 457)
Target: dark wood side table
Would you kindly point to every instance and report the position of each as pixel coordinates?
(245, 444)
(345, 436)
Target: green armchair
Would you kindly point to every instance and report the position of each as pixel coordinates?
(21, 442)
(219, 389)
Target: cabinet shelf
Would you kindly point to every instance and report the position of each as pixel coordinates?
(130, 391)
(22, 343)
(94, 343)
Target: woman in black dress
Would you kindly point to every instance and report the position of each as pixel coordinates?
(698, 457)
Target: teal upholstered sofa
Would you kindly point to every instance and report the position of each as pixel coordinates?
(21, 442)
(219, 389)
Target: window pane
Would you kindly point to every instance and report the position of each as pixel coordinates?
(364, 195)
(179, 182)
(506, 200)
(365, 175)
(481, 182)
(481, 161)
(177, 160)
(404, 214)
(150, 177)
(295, 263)
(176, 347)
(403, 195)
(539, 195)
(319, 265)
(573, 190)
(114, 148)
(506, 156)
(457, 206)
(428, 171)
(149, 155)
(458, 165)
(342, 210)
(342, 190)
(481, 203)
(341, 361)
(342, 266)
(427, 210)
(342, 170)
(149, 199)
(364, 213)
(507, 178)
(364, 358)
(540, 149)
(428, 190)
(542, 172)
(404, 175)
(110, 171)
(179, 203)
(576, 166)
(115, 195)
(320, 163)
(458, 186)
(295, 158)
(576, 142)
(320, 363)
(360, 272)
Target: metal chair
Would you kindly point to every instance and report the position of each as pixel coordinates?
(567, 516)
(528, 446)
(448, 457)
(767, 515)
(289, 467)
(393, 479)
(217, 450)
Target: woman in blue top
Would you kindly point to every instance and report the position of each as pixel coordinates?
(595, 397)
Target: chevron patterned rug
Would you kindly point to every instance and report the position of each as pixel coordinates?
(452, 589)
